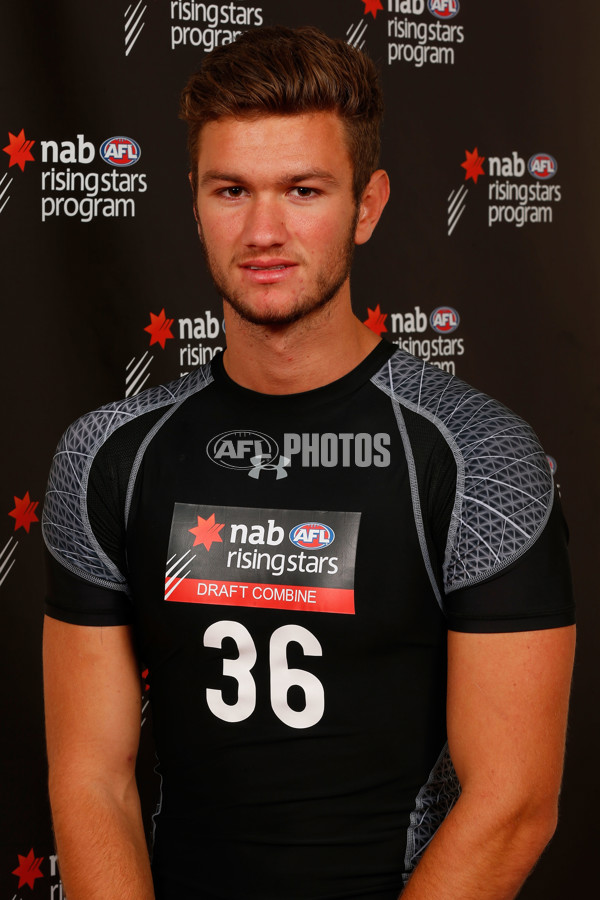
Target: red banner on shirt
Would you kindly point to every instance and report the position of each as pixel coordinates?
(267, 596)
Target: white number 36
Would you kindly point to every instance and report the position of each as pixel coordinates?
(282, 677)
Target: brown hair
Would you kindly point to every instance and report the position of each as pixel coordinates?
(285, 71)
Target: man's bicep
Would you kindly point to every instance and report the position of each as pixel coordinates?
(92, 698)
(507, 710)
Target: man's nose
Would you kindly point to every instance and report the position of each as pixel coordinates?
(265, 223)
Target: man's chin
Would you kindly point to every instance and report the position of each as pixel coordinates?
(276, 318)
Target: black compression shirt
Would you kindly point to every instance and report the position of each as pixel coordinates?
(291, 565)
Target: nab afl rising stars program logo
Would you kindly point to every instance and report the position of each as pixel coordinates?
(408, 329)
(419, 32)
(72, 187)
(268, 558)
(510, 199)
(202, 25)
(210, 25)
(415, 39)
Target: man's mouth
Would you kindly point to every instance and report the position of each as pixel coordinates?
(265, 271)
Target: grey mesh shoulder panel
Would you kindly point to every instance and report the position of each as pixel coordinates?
(504, 487)
(65, 523)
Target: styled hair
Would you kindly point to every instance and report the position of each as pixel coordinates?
(285, 71)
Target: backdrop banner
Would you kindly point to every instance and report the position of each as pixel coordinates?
(483, 264)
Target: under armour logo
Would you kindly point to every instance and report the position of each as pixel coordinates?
(259, 466)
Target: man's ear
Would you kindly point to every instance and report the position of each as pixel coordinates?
(372, 203)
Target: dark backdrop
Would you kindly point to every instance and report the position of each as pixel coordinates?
(95, 254)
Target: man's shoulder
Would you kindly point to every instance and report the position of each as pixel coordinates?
(65, 521)
(504, 487)
(95, 427)
(463, 413)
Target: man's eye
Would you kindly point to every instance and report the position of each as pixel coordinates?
(233, 192)
(305, 191)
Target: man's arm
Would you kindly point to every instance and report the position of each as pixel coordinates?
(93, 697)
(507, 712)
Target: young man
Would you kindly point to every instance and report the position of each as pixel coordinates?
(343, 568)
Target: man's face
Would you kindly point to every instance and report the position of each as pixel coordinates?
(276, 213)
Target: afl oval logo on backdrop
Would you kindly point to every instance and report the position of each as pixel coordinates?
(312, 535)
(120, 151)
(237, 449)
(443, 9)
(542, 166)
(444, 319)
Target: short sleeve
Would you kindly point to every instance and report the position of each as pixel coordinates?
(83, 521)
(505, 564)
(533, 593)
(85, 584)
(76, 600)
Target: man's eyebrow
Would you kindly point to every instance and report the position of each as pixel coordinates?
(310, 175)
(215, 175)
(212, 175)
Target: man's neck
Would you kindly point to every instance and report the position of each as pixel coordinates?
(304, 355)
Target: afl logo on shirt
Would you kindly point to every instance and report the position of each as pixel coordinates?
(444, 319)
(312, 536)
(443, 9)
(242, 449)
(120, 152)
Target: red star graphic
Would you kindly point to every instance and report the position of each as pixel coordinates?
(207, 531)
(473, 165)
(28, 869)
(372, 6)
(159, 329)
(375, 320)
(24, 512)
(19, 150)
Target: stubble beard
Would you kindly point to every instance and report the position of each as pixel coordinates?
(330, 278)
